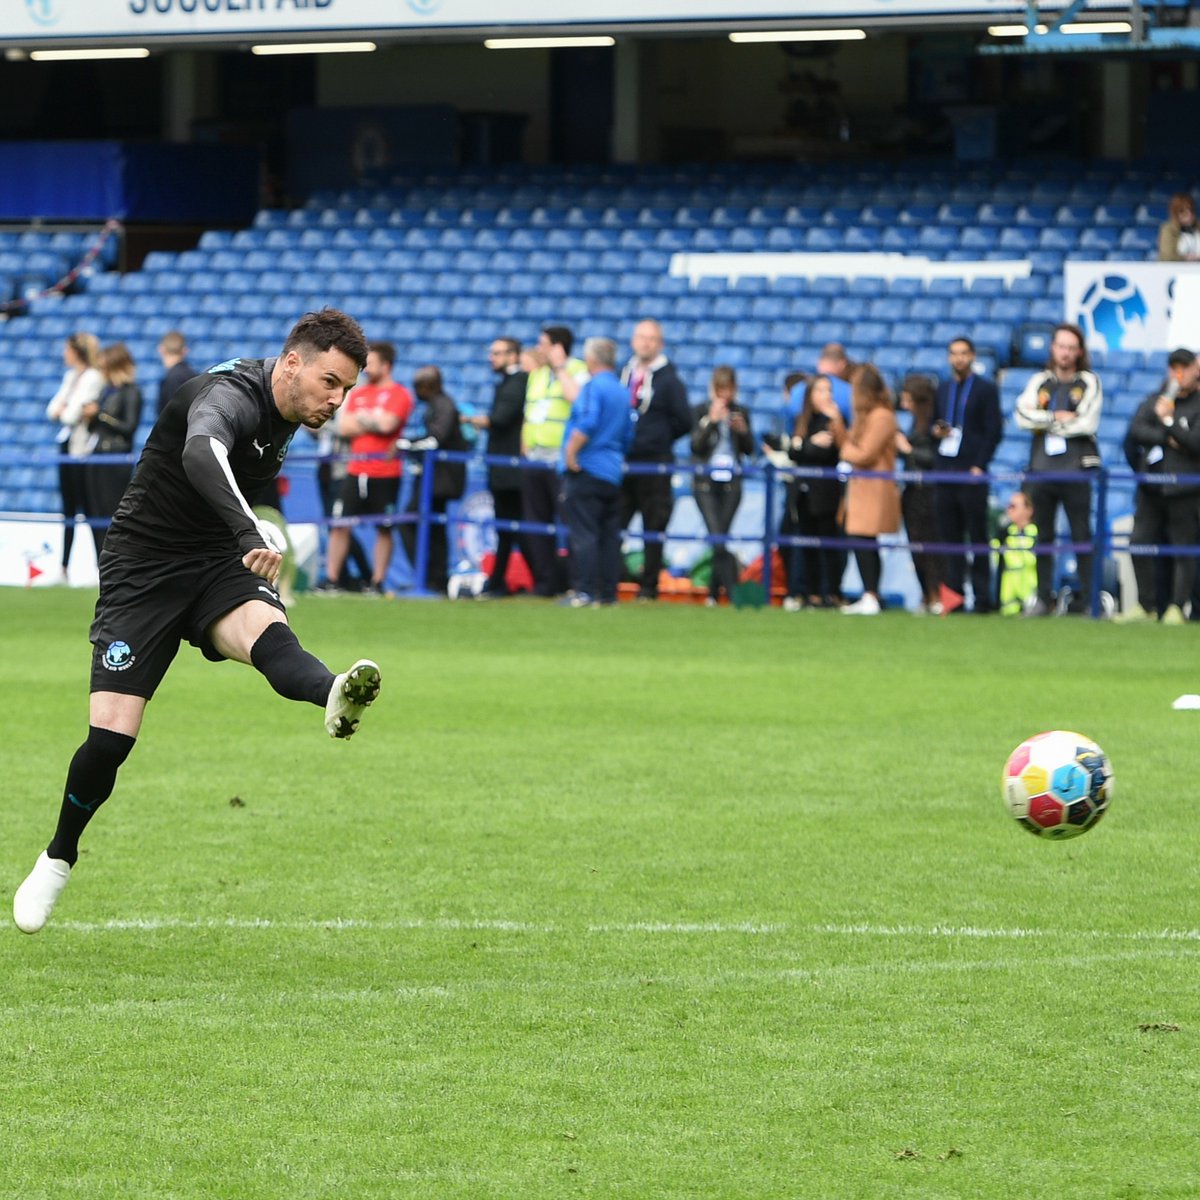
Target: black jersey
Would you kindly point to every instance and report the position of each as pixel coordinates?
(219, 441)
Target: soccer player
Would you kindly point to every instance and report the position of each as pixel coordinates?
(185, 557)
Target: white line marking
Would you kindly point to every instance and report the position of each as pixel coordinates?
(750, 929)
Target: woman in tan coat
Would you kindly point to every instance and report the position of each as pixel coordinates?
(872, 505)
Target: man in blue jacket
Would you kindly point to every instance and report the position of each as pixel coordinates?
(968, 427)
(598, 433)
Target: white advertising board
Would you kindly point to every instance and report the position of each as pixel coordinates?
(1127, 305)
(31, 550)
(42, 19)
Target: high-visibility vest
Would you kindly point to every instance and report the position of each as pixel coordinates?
(1018, 577)
(546, 410)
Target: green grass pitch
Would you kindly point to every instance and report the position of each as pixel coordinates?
(638, 903)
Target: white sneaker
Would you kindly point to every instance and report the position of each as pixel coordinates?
(791, 604)
(352, 692)
(867, 606)
(36, 897)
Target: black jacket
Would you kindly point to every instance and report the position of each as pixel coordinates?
(504, 429)
(706, 435)
(825, 494)
(663, 412)
(980, 419)
(1179, 441)
(443, 425)
(117, 421)
(172, 381)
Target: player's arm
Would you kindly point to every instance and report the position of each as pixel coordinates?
(1086, 419)
(1029, 413)
(214, 425)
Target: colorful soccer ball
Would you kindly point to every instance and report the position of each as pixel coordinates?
(1057, 784)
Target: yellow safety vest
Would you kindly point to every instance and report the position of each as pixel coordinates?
(546, 410)
(1018, 581)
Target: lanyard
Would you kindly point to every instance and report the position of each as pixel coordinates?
(959, 404)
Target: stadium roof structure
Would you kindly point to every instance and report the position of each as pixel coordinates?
(164, 24)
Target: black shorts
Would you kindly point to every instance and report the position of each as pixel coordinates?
(368, 496)
(148, 606)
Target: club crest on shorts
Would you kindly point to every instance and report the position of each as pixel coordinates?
(118, 657)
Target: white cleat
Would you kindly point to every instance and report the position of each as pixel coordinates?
(352, 692)
(36, 897)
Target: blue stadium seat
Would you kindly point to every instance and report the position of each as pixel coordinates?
(871, 334)
(920, 215)
(1102, 239)
(1081, 214)
(937, 238)
(888, 308)
(1031, 344)
(1114, 213)
(1010, 309)
(1018, 239)
(899, 237)
(807, 308)
(820, 239)
(879, 214)
(828, 285)
(769, 308)
(979, 238)
(945, 286)
(994, 213)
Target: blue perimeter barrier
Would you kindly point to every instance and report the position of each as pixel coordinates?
(1101, 546)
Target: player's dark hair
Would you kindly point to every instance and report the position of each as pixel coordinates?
(966, 341)
(384, 350)
(510, 344)
(328, 329)
(560, 335)
(1180, 358)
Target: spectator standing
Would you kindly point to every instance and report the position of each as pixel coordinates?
(443, 431)
(917, 500)
(774, 446)
(1061, 407)
(814, 502)
(835, 365)
(372, 418)
(112, 421)
(172, 353)
(81, 385)
(598, 435)
(332, 451)
(660, 398)
(721, 438)
(1167, 427)
(968, 427)
(550, 391)
(503, 425)
(872, 505)
(1179, 234)
(1017, 561)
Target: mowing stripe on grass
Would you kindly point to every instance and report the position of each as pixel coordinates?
(153, 924)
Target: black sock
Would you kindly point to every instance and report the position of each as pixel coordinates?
(289, 668)
(90, 781)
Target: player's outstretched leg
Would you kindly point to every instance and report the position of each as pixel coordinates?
(352, 693)
(91, 778)
(36, 897)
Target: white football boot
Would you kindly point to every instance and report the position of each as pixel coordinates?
(353, 691)
(36, 897)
